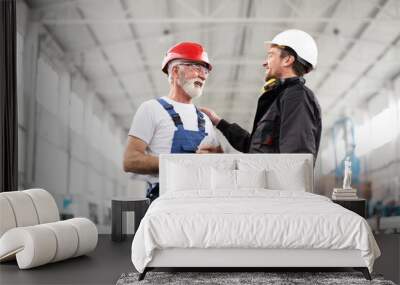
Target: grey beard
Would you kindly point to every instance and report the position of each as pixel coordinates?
(190, 89)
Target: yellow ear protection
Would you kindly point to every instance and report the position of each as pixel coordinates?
(270, 84)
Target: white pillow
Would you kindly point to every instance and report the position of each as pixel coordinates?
(283, 174)
(226, 179)
(188, 177)
(292, 179)
(251, 178)
(223, 179)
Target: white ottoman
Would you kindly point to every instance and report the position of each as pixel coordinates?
(31, 233)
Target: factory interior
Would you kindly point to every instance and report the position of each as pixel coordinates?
(84, 67)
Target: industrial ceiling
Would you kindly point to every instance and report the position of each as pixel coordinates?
(119, 44)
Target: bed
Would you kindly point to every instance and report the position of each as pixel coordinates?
(247, 210)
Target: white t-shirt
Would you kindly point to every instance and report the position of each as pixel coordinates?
(154, 126)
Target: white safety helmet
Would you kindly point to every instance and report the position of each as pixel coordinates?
(301, 42)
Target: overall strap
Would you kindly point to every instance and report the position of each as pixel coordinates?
(201, 121)
(170, 110)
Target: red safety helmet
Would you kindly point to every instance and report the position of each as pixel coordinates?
(186, 51)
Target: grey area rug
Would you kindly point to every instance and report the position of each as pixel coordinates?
(226, 278)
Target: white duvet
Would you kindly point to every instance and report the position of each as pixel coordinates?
(250, 219)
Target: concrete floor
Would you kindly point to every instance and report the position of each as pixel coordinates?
(102, 266)
(388, 264)
(111, 259)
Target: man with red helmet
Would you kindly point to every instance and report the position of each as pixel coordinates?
(171, 124)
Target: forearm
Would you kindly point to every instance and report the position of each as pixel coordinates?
(141, 163)
(236, 135)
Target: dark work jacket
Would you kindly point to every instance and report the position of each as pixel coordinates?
(287, 120)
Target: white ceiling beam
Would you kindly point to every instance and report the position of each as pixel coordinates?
(392, 14)
(222, 6)
(60, 8)
(361, 30)
(116, 44)
(156, 65)
(329, 8)
(226, 21)
(151, 38)
(54, 5)
(294, 9)
(95, 39)
(343, 55)
(205, 36)
(189, 8)
(239, 51)
(181, 3)
(339, 101)
(140, 48)
(76, 58)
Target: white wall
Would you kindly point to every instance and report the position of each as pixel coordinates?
(76, 145)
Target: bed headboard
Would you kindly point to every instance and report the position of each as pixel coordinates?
(266, 160)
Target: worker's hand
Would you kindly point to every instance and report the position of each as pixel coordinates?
(215, 119)
(206, 148)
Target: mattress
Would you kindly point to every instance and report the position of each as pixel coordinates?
(251, 219)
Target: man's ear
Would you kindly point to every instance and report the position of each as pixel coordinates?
(175, 72)
(289, 60)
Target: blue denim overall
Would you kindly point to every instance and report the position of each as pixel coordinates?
(184, 141)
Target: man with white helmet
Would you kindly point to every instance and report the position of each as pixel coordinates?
(288, 116)
(171, 124)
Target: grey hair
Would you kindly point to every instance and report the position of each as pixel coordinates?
(171, 65)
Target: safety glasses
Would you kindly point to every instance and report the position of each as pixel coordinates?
(197, 67)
